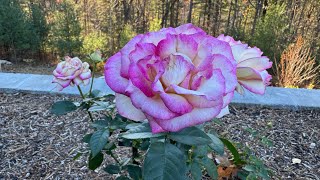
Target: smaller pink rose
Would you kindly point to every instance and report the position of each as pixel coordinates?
(251, 66)
(71, 71)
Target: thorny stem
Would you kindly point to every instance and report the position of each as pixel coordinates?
(83, 97)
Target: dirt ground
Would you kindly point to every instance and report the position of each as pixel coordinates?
(35, 144)
(32, 68)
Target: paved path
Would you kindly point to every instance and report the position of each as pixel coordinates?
(274, 97)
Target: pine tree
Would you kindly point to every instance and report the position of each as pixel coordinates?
(15, 32)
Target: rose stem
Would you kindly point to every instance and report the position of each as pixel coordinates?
(90, 115)
(135, 154)
(93, 70)
(114, 157)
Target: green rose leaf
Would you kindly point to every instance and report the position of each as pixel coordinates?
(196, 171)
(164, 161)
(98, 140)
(134, 171)
(191, 136)
(63, 107)
(87, 138)
(142, 135)
(236, 156)
(211, 168)
(112, 169)
(216, 145)
(122, 178)
(95, 162)
(100, 124)
(99, 106)
(140, 131)
(138, 127)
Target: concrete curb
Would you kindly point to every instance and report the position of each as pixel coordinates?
(274, 97)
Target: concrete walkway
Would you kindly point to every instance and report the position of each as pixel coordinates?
(274, 97)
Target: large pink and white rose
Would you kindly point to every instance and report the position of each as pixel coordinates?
(71, 71)
(174, 78)
(251, 66)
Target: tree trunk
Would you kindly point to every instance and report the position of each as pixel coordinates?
(256, 15)
(228, 20)
(190, 11)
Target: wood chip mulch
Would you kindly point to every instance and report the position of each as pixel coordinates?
(35, 144)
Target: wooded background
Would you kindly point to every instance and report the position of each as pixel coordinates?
(50, 29)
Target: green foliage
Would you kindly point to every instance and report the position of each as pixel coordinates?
(15, 28)
(272, 31)
(93, 41)
(126, 35)
(39, 26)
(63, 107)
(140, 131)
(65, 32)
(154, 24)
(112, 169)
(164, 161)
(134, 171)
(216, 144)
(191, 136)
(236, 156)
(98, 140)
(200, 160)
(95, 162)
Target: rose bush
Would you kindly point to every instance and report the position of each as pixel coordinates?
(71, 71)
(251, 66)
(175, 78)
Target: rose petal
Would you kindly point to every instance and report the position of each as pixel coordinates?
(139, 80)
(141, 51)
(227, 99)
(214, 87)
(202, 101)
(126, 108)
(167, 46)
(63, 83)
(112, 74)
(152, 106)
(223, 112)
(195, 117)
(237, 51)
(155, 128)
(251, 80)
(77, 81)
(187, 45)
(125, 51)
(176, 70)
(176, 103)
(250, 53)
(85, 75)
(228, 70)
(257, 63)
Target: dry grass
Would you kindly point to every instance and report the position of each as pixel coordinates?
(297, 67)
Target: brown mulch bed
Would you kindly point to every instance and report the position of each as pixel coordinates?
(35, 144)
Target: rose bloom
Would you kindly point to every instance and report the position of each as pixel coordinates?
(71, 71)
(174, 78)
(251, 66)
